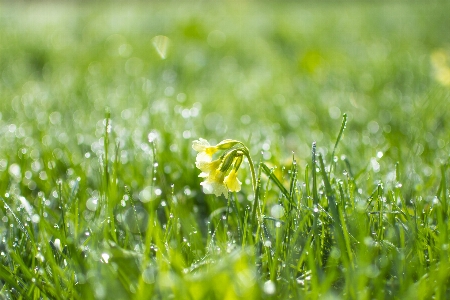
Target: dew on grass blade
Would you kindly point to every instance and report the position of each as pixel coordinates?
(15, 171)
(148, 275)
(187, 191)
(35, 218)
(39, 256)
(105, 257)
(92, 203)
(57, 244)
(269, 287)
(277, 211)
(146, 194)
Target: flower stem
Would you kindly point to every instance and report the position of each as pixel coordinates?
(255, 188)
(252, 167)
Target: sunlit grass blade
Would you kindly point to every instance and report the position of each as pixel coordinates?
(275, 180)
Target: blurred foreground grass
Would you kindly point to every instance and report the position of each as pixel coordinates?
(98, 207)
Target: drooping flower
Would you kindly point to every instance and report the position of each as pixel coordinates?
(232, 182)
(208, 166)
(214, 178)
(214, 184)
(204, 149)
(217, 181)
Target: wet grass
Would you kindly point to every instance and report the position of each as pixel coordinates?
(100, 197)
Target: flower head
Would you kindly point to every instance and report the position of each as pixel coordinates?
(215, 172)
(232, 182)
(214, 177)
(213, 183)
(208, 167)
(204, 149)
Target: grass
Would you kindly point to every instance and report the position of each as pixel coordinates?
(344, 109)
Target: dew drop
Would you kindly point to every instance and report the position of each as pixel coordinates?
(105, 257)
(269, 287)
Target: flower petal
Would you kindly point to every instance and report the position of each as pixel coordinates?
(203, 157)
(216, 188)
(200, 145)
(208, 167)
(232, 182)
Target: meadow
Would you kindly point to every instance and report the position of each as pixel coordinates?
(341, 110)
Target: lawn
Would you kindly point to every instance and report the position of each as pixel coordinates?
(338, 115)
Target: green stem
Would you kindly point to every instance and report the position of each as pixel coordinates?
(254, 184)
(252, 166)
(252, 170)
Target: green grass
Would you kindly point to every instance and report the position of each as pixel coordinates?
(100, 197)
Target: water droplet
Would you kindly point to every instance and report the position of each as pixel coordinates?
(35, 218)
(92, 203)
(269, 287)
(57, 244)
(148, 276)
(277, 211)
(105, 257)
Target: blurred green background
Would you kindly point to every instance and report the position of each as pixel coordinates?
(275, 75)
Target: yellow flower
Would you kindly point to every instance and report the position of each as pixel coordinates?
(214, 183)
(204, 149)
(232, 182)
(208, 166)
(214, 177)
(214, 171)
